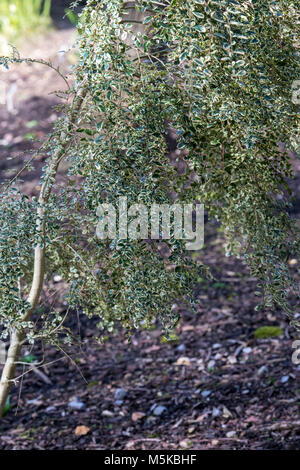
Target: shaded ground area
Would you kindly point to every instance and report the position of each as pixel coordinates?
(214, 387)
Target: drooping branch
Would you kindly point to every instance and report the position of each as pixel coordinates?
(17, 336)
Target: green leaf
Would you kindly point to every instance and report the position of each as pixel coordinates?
(147, 19)
(239, 63)
(198, 14)
(31, 124)
(7, 406)
(200, 28)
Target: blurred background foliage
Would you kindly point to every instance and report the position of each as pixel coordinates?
(21, 20)
(22, 17)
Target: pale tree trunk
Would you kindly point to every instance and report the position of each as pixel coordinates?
(8, 372)
(17, 337)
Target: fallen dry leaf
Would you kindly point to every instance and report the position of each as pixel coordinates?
(252, 419)
(152, 349)
(137, 415)
(82, 430)
(293, 262)
(201, 417)
(232, 360)
(183, 361)
(188, 328)
(226, 413)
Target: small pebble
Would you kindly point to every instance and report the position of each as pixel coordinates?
(181, 348)
(232, 359)
(119, 402)
(120, 393)
(76, 405)
(50, 409)
(159, 410)
(215, 412)
(206, 393)
(35, 401)
(262, 370)
(247, 350)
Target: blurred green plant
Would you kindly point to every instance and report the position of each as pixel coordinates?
(267, 332)
(19, 17)
(170, 338)
(72, 16)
